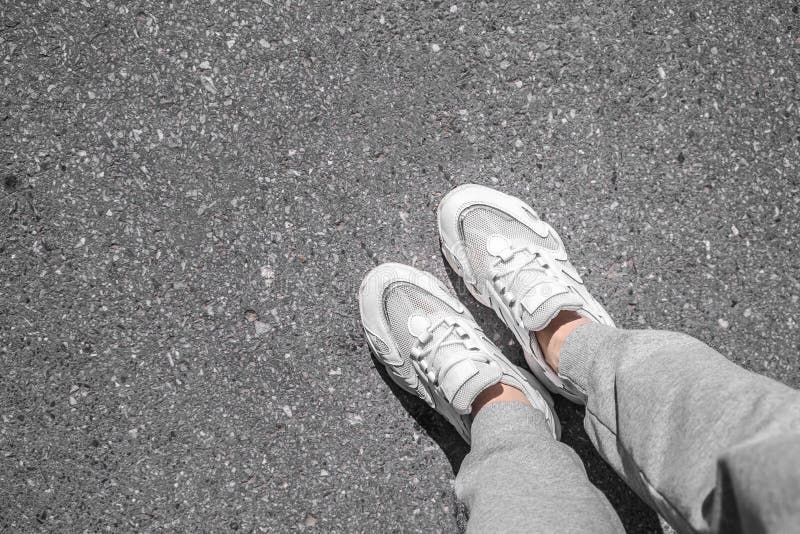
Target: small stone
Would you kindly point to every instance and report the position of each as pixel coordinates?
(133, 433)
(311, 521)
(453, 8)
(205, 65)
(662, 73)
(723, 323)
(261, 328)
(436, 48)
(734, 230)
(518, 143)
(251, 315)
(268, 275)
(748, 312)
(354, 419)
(505, 64)
(208, 84)
(287, 410)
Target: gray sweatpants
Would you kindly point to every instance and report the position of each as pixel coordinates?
(711, 446)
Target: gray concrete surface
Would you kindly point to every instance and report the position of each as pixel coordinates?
(193, 190)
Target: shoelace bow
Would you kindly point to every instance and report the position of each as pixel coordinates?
(420, 353)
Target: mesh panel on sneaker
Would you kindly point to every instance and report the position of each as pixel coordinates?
(402, 300)
(479, 222)
(380, 346)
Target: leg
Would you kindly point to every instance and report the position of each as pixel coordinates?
(518, 478)
(712, 446)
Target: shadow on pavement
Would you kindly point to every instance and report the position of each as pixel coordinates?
(429, 419)
(439, 430)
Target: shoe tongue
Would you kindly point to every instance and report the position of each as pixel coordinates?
(543, 302)
(541, 297)
(462, 382)
(465, 380)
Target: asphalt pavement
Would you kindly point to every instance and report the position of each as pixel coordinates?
(191, 192)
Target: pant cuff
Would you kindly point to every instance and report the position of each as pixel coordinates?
(576, 361)
(501, 423)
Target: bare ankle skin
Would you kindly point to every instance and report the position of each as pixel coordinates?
(497, 393)
(552, 338)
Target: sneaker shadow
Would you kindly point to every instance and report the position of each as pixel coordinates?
(429, 420)
(439, 430)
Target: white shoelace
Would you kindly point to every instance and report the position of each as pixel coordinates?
(436, 368)
(536, 263)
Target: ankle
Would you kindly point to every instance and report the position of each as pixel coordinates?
(497, 393)
(553, 336)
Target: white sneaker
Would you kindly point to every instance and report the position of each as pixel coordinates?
(515, 263)
(432, 347)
